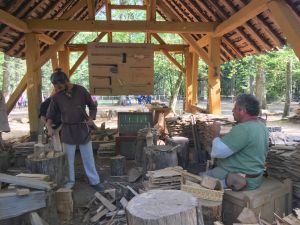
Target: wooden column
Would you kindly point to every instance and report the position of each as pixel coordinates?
(63, 60)
(151, 10)
(108, 18)
(33, 83)
(214, 84)
(188, 81)
(195, 60)
(54, 61)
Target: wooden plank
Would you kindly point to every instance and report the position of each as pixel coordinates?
(35, 219)
(13, 22)
(25, 182)
(214, 83)
(128, 7)
(121, 26)
(12, 206)
(64, 61)
(289, 23)
(105, 202)
(252, 9)
(99, 215)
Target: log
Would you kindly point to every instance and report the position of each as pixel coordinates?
(55, 167)
(211, 210)
(182, 151)
(163, 207)
(141, 143)
(160, 157)
(4, 161)
(118, 165)
(64, 204)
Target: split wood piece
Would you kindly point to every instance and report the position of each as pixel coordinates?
(211, 210)
(25, 182)
(36, 176)
(132, 191)
(13, 206)
(105, 202)
(218, 223)
(64, 204)
(291, 220)
(22, 191)
(160, 157)
(297, 213)
(247, 216)
(166, 207)
(124, 202)
(209, 182)
(99, 215)
(55, 167)
(118, 165)
(35, 219)
(112, 193)
(134, 174)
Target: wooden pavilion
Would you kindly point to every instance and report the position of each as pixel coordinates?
(215, 31)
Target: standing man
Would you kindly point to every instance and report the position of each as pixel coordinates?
(70, 100)
(241, 154)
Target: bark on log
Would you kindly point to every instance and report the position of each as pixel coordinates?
(163, 207)
(182, 152)
(64, 204)
(118, 165)
(211, 210)
(160, 157)
(55, 167)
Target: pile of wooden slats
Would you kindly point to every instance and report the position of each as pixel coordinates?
(284, 162)
(106, 149)
(164, 179)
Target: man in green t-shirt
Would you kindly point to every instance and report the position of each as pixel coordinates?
(244, 149)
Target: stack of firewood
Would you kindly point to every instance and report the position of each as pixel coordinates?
(284, 162)
(182, 126)
(164, 179)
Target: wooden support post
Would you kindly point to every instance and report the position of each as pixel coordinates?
(108, 18)
(288, 21)
(54, 61)
(214, 84)
(151, 11)
(188, 82)
(195, 60)
(33, 83)
(64, 62)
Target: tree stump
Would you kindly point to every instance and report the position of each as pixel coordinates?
(182, 152)
(160, 157)
(118, 165)
(211, 210)
(55, 167)
(163, 207)
(64, 204)
(141, 143)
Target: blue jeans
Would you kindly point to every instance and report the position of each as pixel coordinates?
(86, 152)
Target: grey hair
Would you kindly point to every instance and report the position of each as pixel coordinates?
(249, 103)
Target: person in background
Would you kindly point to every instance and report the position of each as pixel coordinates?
(70, 101)
(241, 154)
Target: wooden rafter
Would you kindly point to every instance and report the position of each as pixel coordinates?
(13, 22)
(46, 39)
(129, 7)
(288, 22)
(167, 54)
(121, 26)
(91, 9)
(188, 38)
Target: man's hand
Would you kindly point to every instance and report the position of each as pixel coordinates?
(215, 129)
(90, 121)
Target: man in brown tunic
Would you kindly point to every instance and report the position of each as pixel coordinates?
(70, 100)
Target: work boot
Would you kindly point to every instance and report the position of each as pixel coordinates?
(98, 187)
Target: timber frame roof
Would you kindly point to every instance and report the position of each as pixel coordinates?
(258, 34)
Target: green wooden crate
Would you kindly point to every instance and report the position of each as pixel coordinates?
(129, 123)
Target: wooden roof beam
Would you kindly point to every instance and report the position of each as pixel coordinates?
(252, 9)
(129, 7)
(289, 23)
(188, 38)
(46, 39)
(121, 26)
(91, 9)
(13, 22)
